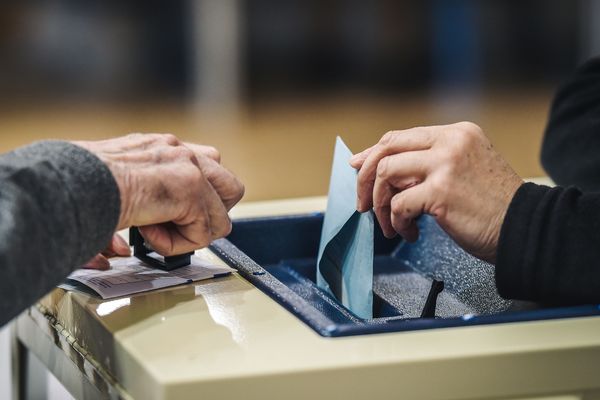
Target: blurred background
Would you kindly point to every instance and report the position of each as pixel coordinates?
(272, 82)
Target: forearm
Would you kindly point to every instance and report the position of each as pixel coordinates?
(549, 246)
(59, 205)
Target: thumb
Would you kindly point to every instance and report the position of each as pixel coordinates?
(117, 247)
(97, 262)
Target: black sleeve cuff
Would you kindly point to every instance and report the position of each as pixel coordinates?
(515, 249)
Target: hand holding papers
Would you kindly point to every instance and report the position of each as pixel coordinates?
(345, 262)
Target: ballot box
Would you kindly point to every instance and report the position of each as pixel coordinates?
(429, 284)
(266, 331)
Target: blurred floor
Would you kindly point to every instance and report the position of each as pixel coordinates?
(283, 148)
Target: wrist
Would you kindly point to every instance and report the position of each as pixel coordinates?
(510, 189)
(122, 178)
(119, 174)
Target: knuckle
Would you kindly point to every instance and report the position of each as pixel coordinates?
(183, 153)
(228, 229)
(221, 229)
(225, 229)
(400, 208)
(468, 133)
(213, 153)
(470, 127)
(388, 138)
(397, 205)
(380, 208)
(170, 139)
(383, 168)
(241, 190)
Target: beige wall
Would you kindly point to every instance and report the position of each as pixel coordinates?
(283, 148)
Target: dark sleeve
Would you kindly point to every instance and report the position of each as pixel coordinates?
(549, 246)
(59, 205)
(571, 146)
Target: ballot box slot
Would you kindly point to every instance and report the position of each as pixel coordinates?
(299, 275)
(426, 285)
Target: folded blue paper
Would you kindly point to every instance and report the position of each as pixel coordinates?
(345, 263)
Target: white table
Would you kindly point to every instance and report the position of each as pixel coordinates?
(225, 339)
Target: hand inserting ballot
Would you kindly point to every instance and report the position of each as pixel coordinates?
(451, 172)
(177, 193)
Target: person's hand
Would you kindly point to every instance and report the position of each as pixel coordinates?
(118, 247)
(451, 172)
(177, 193)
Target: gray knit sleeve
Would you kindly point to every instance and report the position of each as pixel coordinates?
(59, 205)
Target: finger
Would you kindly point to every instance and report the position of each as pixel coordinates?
(97, 262)
(171, 239)
(117, 247)
(208, 151)
(166, 239)
(357, 160)
(392, 143)
(394, 174)
(210, 221)
(406, 206)
(213, 219)
(225, 183)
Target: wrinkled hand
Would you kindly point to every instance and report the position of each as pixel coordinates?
(177, 193)
(450, 172)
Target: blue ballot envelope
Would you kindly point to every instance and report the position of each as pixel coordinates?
(345, 260)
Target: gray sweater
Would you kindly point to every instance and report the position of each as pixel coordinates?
(59, 206)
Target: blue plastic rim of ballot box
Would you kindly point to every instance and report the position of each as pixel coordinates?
(278, 255)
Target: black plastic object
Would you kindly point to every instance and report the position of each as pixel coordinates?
(145, 253)
(278, 255)
(430, 303)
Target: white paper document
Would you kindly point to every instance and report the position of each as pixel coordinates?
(129, 275)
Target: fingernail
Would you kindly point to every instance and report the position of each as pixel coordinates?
(358, 207)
